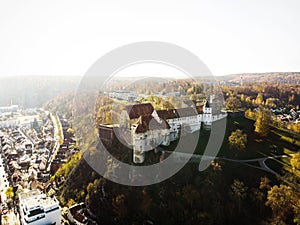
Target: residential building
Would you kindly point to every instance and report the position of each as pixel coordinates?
(38, 209)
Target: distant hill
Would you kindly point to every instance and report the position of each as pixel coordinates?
(34, 91)
(277, 77)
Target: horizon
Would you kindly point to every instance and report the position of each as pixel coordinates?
(135, 76)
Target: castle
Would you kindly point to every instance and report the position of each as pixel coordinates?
(148, 128)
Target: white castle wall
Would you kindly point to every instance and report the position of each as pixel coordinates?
(147, 141)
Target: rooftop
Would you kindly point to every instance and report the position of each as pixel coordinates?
(135, 111)
(148, 122)
(34, 198)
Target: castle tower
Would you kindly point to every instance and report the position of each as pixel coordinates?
(206, 108)
(207, 116)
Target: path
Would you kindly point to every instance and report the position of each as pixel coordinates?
(194, 158)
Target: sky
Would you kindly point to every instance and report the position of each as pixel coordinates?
(65, 37)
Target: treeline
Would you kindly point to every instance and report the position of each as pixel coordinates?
(267, 94)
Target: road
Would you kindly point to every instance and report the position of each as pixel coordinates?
(57, 129)
(194, 158)
(4, 184)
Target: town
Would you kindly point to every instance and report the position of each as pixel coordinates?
(34, 144)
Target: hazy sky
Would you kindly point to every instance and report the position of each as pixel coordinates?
(39, 37)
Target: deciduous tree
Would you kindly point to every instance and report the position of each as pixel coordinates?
(233, 103)
(238, 192)
(263, 119)
(238, 140)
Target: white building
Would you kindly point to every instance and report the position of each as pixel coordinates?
(38, 209)
(123, 95)
(10, 108)
(151, 128)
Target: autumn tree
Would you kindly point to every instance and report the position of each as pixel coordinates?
(263, 119)
(238, 140)
(295, 162)
(238, 191)
(294, 176)
(258, 195)
(249, 114)
(233, 103)
(71, 202)
(10, 193)
(259, 99)
(280, 199)
(296, 127)
(119, 205)
(264, 183)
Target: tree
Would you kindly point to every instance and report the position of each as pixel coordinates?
(259, 99)
(238, 192)
(190, 194)
(242, 97)
(296, 127)
(258, 197)
(71, 202)
(10, 193)
(70, 130)
(294, 176)
(237, 140)
(279, 199)
(295, 162)
(263, 119)
(119, 205)
(264, 183)
(249, 113)
(233, 103)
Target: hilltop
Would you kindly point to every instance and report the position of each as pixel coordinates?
(276, 77)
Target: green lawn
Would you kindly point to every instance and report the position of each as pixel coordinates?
(257, 146)
(275, 165)
(281, 165)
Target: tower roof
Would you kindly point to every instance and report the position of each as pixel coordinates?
(207, 105)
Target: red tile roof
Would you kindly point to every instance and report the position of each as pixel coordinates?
(188, 111)
(147, 122)
(177, 113)
(167, 114)
(135, 111)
